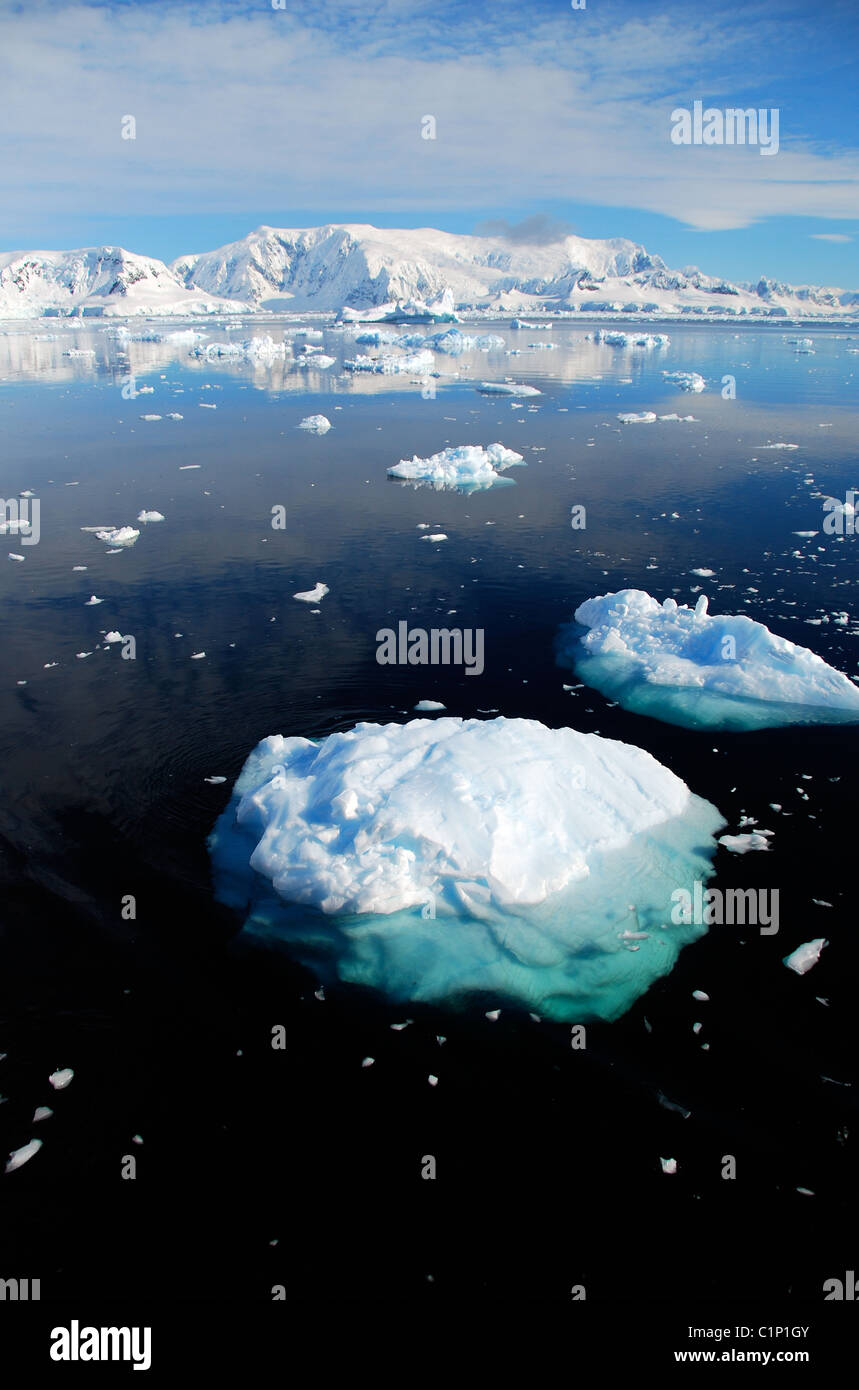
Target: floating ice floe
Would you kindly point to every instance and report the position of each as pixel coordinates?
(465, 466)
(390, 364)
(669, 1165)
(112, 637)
(14, 556)
(316, 424)
(316, 359)
(426, 706)
(92, 601)
(643, 417)
(745, 844)
(18, 1157)
(686, 667)
(314, 595)
(536, 849)
(617, 338)
(687, 381)
(147, 517)
(61, 1079)
(263, 349)
(150, 417)
(507, 388)
(121, 536)
(804, 957)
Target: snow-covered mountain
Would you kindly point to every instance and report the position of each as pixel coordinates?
(375, 272)
(96, 281)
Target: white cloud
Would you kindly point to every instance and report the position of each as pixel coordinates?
(830, 236)
(240, 108)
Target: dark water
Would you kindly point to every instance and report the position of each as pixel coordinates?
(299, 1167)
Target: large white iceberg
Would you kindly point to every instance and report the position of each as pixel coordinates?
(466, 466)
(445, 859)
(687, 667)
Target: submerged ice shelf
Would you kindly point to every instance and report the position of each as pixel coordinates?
(686, 667)
(444, 858)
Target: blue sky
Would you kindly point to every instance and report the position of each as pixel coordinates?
(246, 114)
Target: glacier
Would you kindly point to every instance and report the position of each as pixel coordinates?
(446, 859)
(468, 467)
(688, 667)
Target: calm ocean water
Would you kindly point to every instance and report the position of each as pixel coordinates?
(299, 1167)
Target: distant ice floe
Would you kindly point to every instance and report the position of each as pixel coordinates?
(446, 860)
(122, 536)
(316, 424)
(147, 517)
(804, 957)
(390, 364)
(314, 595)
(427, 706)
(466, 466)
(686, 667)
(687, 381)
(507, 388)
(643, 417)
(263, 349)
(316, 359)
(617, 338)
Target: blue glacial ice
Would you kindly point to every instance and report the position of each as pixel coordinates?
(445, 860)
(684, 666)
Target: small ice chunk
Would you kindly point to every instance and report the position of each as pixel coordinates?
(61, 1079)
(315, 424)
(92, 601)
(197, 656)
(700, 996)
(744, 844)
(507, 388)
(214, 781)
(435, 536)
(669, 1165)
(146, 517)
(42, 1112)
(150, 417)
(644, 417)
(314, 595)
(804, 957)
(122, 536)
(425, 705)
(18, 1157)
(111, 637)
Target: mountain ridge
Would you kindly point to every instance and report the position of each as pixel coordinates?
(364, 269)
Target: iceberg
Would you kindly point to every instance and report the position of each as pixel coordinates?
(467, 466)
(446, 860)
(617, 338)
(687, 381)
(643, 417)
(316, 424)
(390, 364)
(686, 667)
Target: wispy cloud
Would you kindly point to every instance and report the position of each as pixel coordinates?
(241, 105)
(830, 236)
